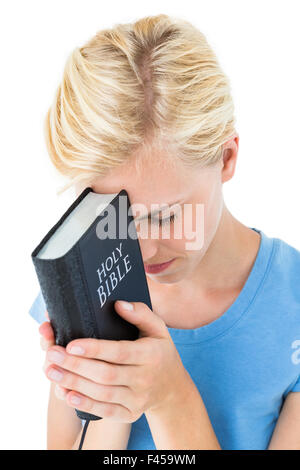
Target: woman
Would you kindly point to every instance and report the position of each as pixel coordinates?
(146, 107)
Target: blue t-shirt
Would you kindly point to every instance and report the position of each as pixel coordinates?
(246, 361)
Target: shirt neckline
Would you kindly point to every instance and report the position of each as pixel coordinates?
(241, 304)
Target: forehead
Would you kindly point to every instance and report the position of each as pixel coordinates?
(154, 179)
(158, 178)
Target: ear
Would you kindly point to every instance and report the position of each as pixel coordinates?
(230, 153)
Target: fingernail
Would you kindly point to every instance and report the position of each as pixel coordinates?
(55, 356)
(126, 305)
(75, 400)
(77, 350)
(55, 375)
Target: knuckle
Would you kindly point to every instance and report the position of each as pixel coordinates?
(108, 394)
(104, 393)
(147, 351)
(71, 381)
(109, 410)
(122, 354)
(94, 348)
(73, 362)
(108, 373)
(89, 406)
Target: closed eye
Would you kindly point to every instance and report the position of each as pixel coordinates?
(166, 220)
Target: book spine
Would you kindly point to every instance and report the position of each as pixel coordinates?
(65, 296)
(85, 308)
(85, 304)
(56, 287)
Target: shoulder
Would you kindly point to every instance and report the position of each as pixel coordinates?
(278, 311)
(280, 290)
(286, 264)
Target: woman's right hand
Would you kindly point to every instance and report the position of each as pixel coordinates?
(46, 341)
(64, 427)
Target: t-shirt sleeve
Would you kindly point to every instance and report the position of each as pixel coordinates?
(296, 387)
(38, 309)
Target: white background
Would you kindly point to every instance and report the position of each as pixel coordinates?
(257, 43)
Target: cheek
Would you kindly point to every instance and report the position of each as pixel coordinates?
(191, 225)
(183, 232)
(198, 224)
(174, 246)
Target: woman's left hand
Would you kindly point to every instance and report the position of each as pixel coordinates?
(120, 380)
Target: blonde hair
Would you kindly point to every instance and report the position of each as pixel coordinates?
(152, 83)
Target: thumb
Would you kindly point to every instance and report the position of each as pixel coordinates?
(140, 315)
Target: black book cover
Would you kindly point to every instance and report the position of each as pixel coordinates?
(80, 287)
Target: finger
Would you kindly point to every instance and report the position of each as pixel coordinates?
(92, 369)
(45, 344)
(99, 392)
(113, 411)
(140, 315)
(46, 364)
(46, 330)
(118, 352)
(60, 392)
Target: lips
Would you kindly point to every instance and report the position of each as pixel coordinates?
(156, 268)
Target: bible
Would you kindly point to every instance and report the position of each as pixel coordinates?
(89, 259)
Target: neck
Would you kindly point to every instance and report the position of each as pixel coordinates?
(231, 250)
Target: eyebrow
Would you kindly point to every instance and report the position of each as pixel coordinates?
(148, 216)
